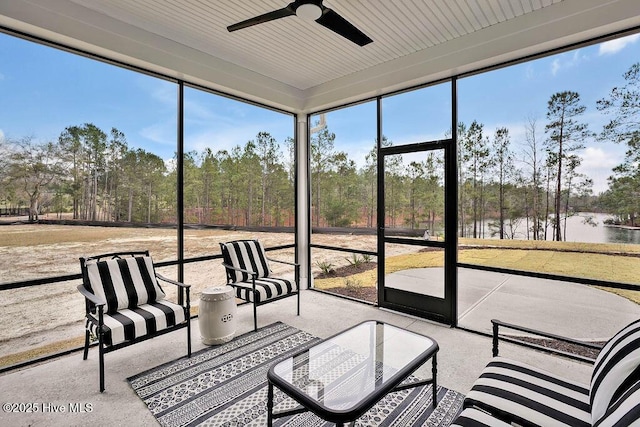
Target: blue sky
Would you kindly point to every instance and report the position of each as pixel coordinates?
(44, 90)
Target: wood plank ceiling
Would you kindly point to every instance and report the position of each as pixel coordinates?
(304, 54)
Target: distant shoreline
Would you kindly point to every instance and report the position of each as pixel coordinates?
(624, 227)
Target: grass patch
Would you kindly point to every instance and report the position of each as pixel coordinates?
(573, 260)
(609, 248)
(28, 235)
(365, 278)
(393, 264)
(622, 269)
(45, 350)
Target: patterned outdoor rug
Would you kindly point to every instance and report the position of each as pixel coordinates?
(226, 385)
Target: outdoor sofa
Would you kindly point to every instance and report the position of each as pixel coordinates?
(510, 392)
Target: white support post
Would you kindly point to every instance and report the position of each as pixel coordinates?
(302, 162)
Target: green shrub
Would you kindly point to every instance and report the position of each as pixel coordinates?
(355, 261)
(325, 267)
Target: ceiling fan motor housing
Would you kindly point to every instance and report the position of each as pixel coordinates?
(310, 10)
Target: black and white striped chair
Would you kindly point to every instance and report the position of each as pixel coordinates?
(515, 392)
(125, 303)
(248, 271)
(473, 417)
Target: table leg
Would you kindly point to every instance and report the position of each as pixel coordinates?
(270, 405)
(434, 372)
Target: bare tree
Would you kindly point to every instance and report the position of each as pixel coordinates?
(33, 167)
(533, 158)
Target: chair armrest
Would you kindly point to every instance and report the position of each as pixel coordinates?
(173, 282)
(284, 262)
(253, 273)
(96, 300)
(496, 337)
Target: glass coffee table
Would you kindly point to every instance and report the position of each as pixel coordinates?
(342, 377)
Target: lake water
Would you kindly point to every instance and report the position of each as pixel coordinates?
(579, 231)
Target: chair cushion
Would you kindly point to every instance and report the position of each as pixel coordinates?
(530, 396)
(472, 417)
(616, 369)
(124, 283)
(147, 319)
(268, 288)
(247, 255)
(625, 411)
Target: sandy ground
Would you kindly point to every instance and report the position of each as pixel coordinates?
(40, 315)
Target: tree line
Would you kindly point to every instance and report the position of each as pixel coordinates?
(94, 175)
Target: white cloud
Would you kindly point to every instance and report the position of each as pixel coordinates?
(1, 136)
(160, 91)
(567, 60)
(597, 164)
(615, 46)
(555, 66)
(170, 164)
(530, 72)
(161, 133)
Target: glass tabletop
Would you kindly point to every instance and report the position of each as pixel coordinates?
(345, 372)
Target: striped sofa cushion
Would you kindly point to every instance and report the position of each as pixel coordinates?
(530, 396)
(472, 417)
(267, 288)
(247, 255)
(124, 283)
(617, 367)
(146, 319)
(625, 411)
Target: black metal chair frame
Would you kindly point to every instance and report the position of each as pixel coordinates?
(254, 276)
(496, 324)
(95, 303)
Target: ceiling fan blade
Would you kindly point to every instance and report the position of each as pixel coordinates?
(339, 25)
(270, 16)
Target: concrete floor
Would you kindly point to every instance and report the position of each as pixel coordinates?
(70, 380)
(564, 308)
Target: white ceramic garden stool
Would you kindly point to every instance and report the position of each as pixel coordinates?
(217, 315)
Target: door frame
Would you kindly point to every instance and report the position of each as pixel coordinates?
(443, 310)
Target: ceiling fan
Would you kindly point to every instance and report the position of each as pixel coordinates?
(311, 10)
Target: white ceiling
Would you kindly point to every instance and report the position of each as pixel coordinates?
(301, 66)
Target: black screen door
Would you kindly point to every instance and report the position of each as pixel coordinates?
(417, 230)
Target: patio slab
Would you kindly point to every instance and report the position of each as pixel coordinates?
(69, 379)
(564, 308)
